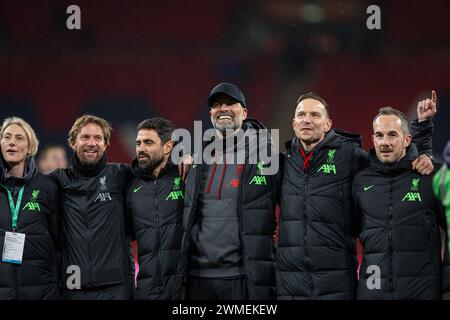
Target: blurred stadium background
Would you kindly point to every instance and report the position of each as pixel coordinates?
(137, 59)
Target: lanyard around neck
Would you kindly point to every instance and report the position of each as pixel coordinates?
(14, 207)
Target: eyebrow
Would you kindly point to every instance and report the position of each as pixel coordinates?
(16, 135)
(89, 135)
(145, 140)
(389, 132)
(311, 112)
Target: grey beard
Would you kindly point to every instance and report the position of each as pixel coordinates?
(227, 130)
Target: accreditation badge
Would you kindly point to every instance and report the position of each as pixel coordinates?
(13, 247)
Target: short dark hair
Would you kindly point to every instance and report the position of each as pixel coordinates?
(162, 126)
(315, 96)
(388, 111)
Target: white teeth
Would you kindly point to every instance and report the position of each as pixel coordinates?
(224, 117)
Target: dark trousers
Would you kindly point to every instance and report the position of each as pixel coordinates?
(216, 288)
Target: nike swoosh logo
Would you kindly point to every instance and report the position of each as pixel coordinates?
(137, 189)
(367, 188)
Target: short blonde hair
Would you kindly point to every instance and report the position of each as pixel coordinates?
(33, 142)
(87, 119)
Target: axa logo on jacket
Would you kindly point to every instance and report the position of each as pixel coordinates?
(413, 196)
(329, 167)
(259, 179)
(33, 204)
(176, 193)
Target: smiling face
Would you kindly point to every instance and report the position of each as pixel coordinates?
(90, 144)
(15, 145)
(311, 122)
(227, 114)
(389, 139)
(150, 152)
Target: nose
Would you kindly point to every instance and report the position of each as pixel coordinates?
(222, 105)
(91, 141)
(385, 141)
(139, 147)
(306, 119)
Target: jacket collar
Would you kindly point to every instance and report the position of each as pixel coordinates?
(148, 175)
(330, 141)
(30, 171)
(403, 165)
(88, 171)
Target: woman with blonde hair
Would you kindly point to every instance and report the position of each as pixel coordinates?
(28, 225)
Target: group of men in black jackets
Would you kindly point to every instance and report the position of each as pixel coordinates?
(210, 235)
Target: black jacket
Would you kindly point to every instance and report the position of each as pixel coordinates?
(316, 251)
(422, 136)
(156, 208)
(94, 230)
(399, 231)
(256, 212)
(316, 247)
(37, 277)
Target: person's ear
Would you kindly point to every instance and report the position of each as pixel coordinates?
(408, 140)
(244, 113)
(328, 124)
(168, 146)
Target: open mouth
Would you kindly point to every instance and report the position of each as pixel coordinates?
(225, 117)
(90, 153)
